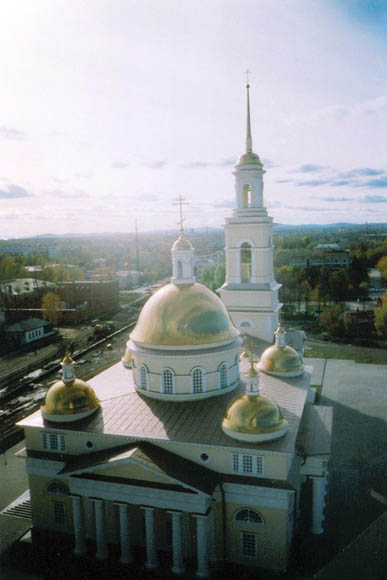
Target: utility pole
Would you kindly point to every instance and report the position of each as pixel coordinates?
(137, 248)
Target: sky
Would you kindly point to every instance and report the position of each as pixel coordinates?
(111, 109)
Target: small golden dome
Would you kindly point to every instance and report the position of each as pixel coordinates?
(252, 371)
(249, 158)
(282, 361)
(254, 419)
(182, 244)
(67, 402)
(184, 315)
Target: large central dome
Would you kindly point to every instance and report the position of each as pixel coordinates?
(184, 315)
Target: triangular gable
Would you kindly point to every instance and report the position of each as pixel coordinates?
(143, 461)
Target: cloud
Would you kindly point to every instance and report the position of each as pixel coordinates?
(376, 183)
(147, 197)
(74, 194)
(372, 107)
(155, 164)
(222, 203)
(315, 209)
(313, 182)
(120, 164)
(308, 168)
(84, 174)
(374, 199)
(13, 191)
(330, 176)
(226, 162)
(334, 199)
(11, 134)
(268, 163)
(363, 171)
(194, 165)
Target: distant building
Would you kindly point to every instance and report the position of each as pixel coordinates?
(202, 262)
(127, 278)
(330, 259)
(375, 279)
(99, 295)
(27, 331)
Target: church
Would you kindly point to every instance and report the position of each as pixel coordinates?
(188, 451)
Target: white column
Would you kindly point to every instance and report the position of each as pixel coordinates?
(202, 550)
(126, 551)
(319, 490)
(100, 535)
(177, 544)
(151, 554)
(79, 526)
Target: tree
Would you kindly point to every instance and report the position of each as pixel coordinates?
(51, 306)
(382, 266)
(381, 317)
(338, 285)
(332, 321)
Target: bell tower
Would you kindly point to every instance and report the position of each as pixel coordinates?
(250, 292)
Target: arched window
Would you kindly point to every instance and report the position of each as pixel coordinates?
(249, 516)
(223, 376)
(246, 195)
(179, 269)
(198, 380)
(245, 262)
(57, 487)
(144, 377)
(167, 381)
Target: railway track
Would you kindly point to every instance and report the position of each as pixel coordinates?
(15, 404)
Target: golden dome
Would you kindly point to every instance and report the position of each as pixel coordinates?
(69, 401)
(249, 158)
(282, 361)
(184, 315)
(182, 244)
(254, 419)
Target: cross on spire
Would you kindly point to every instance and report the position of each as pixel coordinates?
(180, 202)
(247, 73)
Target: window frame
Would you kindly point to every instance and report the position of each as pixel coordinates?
(243, 536)
(59, 512)
(223, 378)
(240, 460)
(144, 373)
(203, 380)
(249, 510)
(57, 488)
(53, 441)
(173, 381)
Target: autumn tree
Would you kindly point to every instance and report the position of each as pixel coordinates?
(51, 306)
(382, 266)
(381, 317)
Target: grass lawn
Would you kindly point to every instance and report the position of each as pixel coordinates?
(360, 354)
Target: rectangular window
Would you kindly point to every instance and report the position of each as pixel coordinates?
(59, 512)
(247, 464)
(259, 464)
(248, 545)
(54, 442)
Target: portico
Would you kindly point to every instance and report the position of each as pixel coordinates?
(171, 513)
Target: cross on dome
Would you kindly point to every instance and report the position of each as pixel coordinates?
(180, 202)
